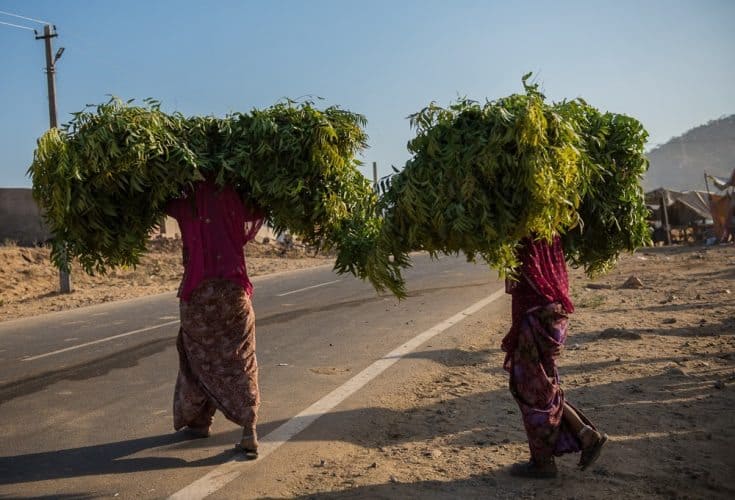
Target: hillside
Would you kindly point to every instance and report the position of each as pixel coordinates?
(681, 162)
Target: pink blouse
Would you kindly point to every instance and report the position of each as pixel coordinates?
(215, 226)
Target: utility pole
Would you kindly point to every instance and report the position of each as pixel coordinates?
(375, 176)
(49, 32)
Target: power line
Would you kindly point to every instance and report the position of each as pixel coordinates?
(23, 17)
(17, 26)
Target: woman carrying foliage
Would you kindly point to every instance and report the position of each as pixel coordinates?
(540, 309)
(218, 369)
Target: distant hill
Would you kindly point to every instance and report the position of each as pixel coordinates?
(680, 163)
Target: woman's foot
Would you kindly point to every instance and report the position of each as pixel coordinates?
(248, 445)
(535, 469)
(592, 443)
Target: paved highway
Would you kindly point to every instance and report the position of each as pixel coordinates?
(85, 395)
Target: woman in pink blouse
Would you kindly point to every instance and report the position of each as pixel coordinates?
(218, 369)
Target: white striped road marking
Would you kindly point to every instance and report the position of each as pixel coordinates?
(99, 341)
(307, 288)
(228, 471)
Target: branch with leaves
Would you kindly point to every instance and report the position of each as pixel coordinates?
(484, 176)
(104, 179)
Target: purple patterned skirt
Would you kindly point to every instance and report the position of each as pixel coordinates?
(534, 382)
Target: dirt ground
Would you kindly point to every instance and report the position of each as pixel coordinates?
(653, 366)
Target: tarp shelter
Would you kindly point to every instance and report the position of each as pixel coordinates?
(684, 208)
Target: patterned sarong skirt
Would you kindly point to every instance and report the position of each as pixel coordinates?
(218, 369)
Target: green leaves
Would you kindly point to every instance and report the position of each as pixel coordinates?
(481, 177)
(613, 212)
(104, 179)
(484, 176)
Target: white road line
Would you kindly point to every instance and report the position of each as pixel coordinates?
(307, 288)
(106, 339)
(227, 472)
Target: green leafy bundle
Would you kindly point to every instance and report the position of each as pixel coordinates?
(103, 180)
(613, 211)
(482, 177)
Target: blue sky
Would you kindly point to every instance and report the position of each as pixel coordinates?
(671, 64)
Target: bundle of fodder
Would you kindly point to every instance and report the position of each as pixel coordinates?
(613, 212)
(103, 181)
(483, 177)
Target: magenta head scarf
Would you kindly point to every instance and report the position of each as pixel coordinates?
(542, 280)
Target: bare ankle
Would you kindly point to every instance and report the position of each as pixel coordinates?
(249, 438)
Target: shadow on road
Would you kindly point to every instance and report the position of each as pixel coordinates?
(108, 458)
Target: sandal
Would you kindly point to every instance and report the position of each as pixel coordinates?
(534, 470)
(592, 452)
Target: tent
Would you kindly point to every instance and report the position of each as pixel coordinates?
(684, 208)
(694, 210)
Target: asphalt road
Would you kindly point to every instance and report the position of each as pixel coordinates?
(85, 395)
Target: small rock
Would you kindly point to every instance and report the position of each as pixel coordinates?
(393, 479)
(669, 321)
(635, 389)
(322, 463)
(617, 360)
(670, 298)
(574, 347)
(719, 384)
(726, 291)
(675, 371)
(633, 282)
(373, 465)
